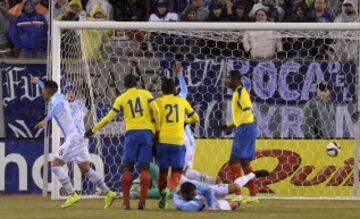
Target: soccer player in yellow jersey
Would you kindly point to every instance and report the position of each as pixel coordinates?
(243, 148)
(137, 107)
(175, 113)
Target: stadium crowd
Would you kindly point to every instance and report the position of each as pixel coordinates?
(24, 23)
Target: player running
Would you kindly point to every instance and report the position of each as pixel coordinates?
(175, 113)
(75, 147)
(195, 196)
(137, 107)
(243, 148)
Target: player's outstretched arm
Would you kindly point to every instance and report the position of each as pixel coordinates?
(53, 112)
(36, 80)
(179, 73)
(104, 121)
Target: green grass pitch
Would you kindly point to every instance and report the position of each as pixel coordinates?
(30, 206)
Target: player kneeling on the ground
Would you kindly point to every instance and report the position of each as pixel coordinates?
(75, 147)
(195, 196)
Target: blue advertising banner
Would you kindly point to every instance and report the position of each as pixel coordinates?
(22, 101)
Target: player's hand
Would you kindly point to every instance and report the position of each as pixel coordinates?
(202, 200)
(178, 68)
(355, 116)
(41, 124)
(88, 133)
(33, 79)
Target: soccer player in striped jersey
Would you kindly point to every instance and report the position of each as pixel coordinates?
(189, 136)
(75, 147)
(243, 148)
(137, 107)
(175, 113)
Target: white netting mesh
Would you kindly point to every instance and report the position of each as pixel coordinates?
(280, 83)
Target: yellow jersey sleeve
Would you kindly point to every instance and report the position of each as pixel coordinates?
(110, 116)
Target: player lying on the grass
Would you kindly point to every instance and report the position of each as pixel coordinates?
(136, 107)
(171, 149)
(195, 196)
(154, 173)
(75, 147)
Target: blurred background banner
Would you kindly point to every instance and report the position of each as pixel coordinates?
(22, 104)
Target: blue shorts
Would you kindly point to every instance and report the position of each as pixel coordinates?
(171, 155)
(244, 141)
(138, 146)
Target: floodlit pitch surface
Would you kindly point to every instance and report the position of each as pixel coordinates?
(26, 206)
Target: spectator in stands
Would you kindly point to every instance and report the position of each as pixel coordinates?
(130, 10)
(190, 15)
(28, 33)
(93, 39)
(162, 13)
(201, 12)
(300, 15)
(346, 49)
(218, 12)
(105, 5)
(293, 6)
(262, 44)
(319, 114)
(73, 11)
(239, 12)
(59, 8)
(5, 18)
(320, 12)
(17, 9)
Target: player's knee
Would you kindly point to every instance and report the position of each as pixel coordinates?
(244, 162)
(55, 169)
(143, 166)
(234, 160)
(176, 170)
(128, 167)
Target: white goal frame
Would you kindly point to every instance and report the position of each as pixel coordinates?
(57, 26)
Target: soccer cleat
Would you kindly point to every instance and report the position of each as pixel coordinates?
(109, 199)
(141, 207)
(72, 199)
(250, 200)
(126, 207)
(237, 198)
(164, 198)
(261, 173)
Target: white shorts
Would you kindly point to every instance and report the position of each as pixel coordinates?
(75, 148)
(220, 191)
(223, 205)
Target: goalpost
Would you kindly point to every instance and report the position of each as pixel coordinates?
(96, 56)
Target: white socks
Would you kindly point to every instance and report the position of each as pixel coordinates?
(241, 181)
(63, 178)
(200, 177)
(97, 180)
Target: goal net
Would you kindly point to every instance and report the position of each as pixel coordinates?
(280, 67)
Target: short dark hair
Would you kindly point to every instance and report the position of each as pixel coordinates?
(52, 86)
(168, 86)
(130, 80)
(235, 75)
(324, 86)
(187, 188)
